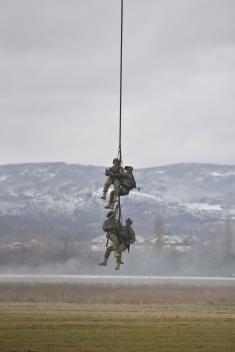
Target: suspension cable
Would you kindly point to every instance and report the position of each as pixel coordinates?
(120, 102)
(120, 111)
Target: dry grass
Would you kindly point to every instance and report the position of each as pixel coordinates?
(102, 293)
(112, 328)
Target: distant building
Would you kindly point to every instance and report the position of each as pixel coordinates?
(174, 242)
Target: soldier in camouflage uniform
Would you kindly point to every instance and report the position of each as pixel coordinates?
(127, 184)
(114, 174)
(110, 226)
(121, 240)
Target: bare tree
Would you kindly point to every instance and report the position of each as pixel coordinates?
(159, 229)
(228, 240)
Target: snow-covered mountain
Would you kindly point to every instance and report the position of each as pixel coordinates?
(63, 198)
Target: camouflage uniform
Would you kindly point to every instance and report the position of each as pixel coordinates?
(114, 174)
(120, 242)
(128, 181)
(111, 226)
(127, 184)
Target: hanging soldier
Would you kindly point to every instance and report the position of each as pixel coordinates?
(111, 226)
(121, 237)
(114, 174)
(127, 184)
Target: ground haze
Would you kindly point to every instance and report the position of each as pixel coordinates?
(116, 289)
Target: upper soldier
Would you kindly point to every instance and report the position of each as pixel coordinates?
(127, 184)
(114, 174)
(121, 240)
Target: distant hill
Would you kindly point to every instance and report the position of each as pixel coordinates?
(62, 199)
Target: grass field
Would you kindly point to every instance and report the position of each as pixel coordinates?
(86, 328)
(110, 294)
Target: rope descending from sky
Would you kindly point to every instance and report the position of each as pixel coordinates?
(120, 111)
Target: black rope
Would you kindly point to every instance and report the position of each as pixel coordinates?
(120, 102)
(120, 110)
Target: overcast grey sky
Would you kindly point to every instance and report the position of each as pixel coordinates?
(59, 81)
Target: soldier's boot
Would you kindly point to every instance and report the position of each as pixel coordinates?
(104, 195)
(109, 206)
(117, 267)
(120, 259)
(104, 262)
(112, 199)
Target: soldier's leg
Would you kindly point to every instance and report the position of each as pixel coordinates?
(115, 245)
(111, 203)
(106, 187)
(108, 251)
(114, 195)
(116, 184)
(114, 240)
(118, 254)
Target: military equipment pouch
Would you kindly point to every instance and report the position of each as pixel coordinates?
(124, 240)
(128, 183)
(107, 227)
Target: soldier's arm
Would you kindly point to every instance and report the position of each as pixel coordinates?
(132, 235)
(111, 171)
(121, 170)
(134, 182)
(121, 174)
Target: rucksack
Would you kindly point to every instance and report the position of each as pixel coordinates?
(108, 226)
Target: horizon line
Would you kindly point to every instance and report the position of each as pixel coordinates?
(101, 166)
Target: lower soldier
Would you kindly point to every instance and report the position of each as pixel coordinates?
(110, 226)
(114, 174)
(127, 184)
(121, 240)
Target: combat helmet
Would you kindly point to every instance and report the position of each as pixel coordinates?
(116, 160)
